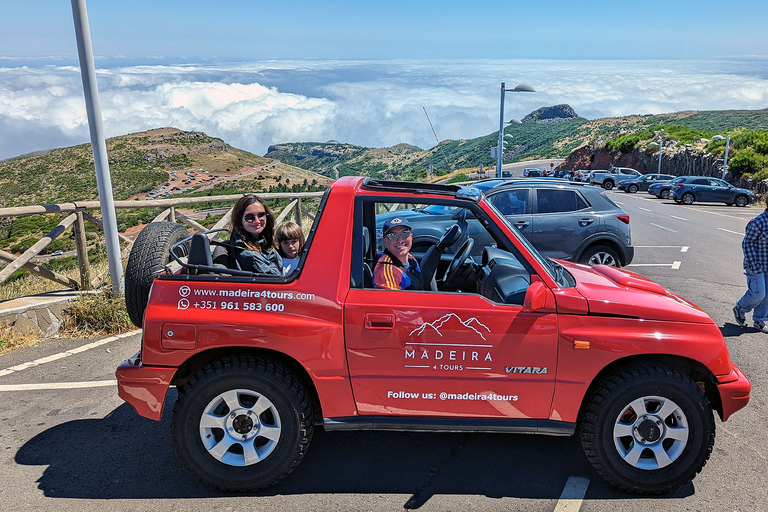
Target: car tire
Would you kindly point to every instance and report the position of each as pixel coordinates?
(240, 407)
(600, 255)
(149, 255)
(647, 428)
(687, 198)
(607, 185)
(632, 189)
(664, 194)
(741, 201)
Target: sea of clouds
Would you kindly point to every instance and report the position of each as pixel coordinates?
(369, 103)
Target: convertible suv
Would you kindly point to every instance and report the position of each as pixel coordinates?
(524, 344)
(714, 190)
(562, 219)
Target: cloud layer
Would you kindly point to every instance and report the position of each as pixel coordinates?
(370, 103)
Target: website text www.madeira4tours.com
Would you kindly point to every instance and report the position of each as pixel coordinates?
(205, 298)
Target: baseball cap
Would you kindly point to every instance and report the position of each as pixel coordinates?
(395, 222)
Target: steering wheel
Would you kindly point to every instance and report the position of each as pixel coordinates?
(458, 260)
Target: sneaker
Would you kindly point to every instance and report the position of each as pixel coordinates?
(741, 319)
(760, 326)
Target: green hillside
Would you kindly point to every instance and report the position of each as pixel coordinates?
(549, 132)
(139, 162)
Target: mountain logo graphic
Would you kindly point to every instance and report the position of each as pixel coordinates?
(437, 324)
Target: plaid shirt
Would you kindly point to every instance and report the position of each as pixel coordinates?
(755, 243)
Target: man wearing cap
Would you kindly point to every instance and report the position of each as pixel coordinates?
(397, 269)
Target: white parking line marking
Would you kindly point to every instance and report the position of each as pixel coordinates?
(729, 231)
(573, 494)
(58, 385)
(644, 209)
(60, 355)
(662, 227)
(683, 248)
(679, 218)
(675, 265)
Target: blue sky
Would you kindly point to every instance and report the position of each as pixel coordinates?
(257, 74)
(394, 29)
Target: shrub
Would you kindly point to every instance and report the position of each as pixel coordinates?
(97, 313)
(747, 161)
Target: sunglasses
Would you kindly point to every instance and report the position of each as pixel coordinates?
(249, 217)
(403, 235)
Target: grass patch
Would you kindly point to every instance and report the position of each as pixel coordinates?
(94, 314)
(11, 340)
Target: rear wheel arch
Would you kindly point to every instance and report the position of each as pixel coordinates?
(194, 364)
(611, 244)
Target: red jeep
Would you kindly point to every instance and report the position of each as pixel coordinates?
(502, 341)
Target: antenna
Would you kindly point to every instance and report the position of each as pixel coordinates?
(436, 139)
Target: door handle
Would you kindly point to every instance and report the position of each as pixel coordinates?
(376, 321)
(584, 222)
(521, 224)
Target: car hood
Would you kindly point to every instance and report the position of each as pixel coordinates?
(620, 292)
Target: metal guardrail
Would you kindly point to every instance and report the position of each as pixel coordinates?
(79, 216)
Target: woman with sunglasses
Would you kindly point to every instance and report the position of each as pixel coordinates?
(252, 245)
(397, 269)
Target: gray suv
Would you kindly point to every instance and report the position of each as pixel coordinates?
(561, 219)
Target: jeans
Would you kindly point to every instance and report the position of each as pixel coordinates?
(755, 298)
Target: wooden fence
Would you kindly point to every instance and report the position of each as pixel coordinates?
(79, 215)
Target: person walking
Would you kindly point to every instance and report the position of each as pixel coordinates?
(755, 248)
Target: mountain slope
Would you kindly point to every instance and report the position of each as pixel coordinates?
(138, 162)
(549, 132)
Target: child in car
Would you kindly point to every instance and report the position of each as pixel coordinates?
(290, 243)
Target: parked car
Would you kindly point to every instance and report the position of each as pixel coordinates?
(562, 220)
(715, 190)
(608, 179)
(533, 172)
(661, 189)
(588, 174)
(632, 185)
(531, 345)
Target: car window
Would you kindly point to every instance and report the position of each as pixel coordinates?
(718, 183)
(700, 181)
(511, 202)
(557, 200)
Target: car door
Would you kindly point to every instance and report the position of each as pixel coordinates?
(721, 191)
(701, 189)
(562, 219)
(424, 353)
(514, 204)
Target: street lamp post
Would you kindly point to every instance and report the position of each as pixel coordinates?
(727, 145)
(661, 146)
(500, 148)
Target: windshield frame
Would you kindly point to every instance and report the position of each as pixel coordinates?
(544, 261)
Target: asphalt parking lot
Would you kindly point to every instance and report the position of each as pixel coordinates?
(70, 443)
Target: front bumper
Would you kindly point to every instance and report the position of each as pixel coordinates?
(734, 390)
(144, 387)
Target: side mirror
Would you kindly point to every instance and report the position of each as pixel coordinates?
(535, 297)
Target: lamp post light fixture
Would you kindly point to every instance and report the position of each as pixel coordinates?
(500, 148)
(661, 146)
(727, 145)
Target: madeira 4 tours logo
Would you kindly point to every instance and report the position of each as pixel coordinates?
(445, 355)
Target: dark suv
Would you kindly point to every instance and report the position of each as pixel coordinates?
(563, 220)
(701, 188)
